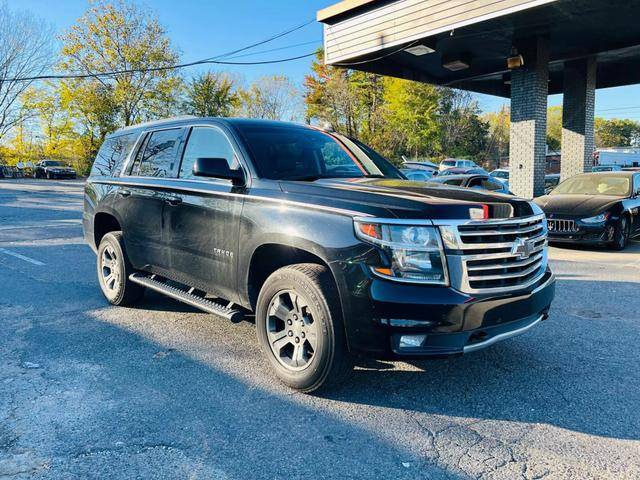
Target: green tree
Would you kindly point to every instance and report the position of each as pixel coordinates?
(210, 95)
(554, 127)
(616, 133)
(410, 119)
(120, 36)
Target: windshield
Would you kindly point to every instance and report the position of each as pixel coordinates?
(595, 185)
(298, 153)
(500, 174)
(448, 163)
(53, 163)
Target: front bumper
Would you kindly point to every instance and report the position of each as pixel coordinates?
(442, 321)
(596, 234)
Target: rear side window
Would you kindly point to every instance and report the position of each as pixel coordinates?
(449, 163)
(206, 142)
(493, 185)
(112, 154)
(159, 155)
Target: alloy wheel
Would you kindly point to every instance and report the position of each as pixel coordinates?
(291, 330)
(110, 268)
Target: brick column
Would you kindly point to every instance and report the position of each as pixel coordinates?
(578, 117)
(528, 137)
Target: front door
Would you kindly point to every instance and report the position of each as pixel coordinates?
(203, 224)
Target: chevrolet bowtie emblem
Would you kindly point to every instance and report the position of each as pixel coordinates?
(522, 248)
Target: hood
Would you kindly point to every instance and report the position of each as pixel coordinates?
(386, 197)
(576, 205)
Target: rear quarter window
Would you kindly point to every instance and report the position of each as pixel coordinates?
(112, 154)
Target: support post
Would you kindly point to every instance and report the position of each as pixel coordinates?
(578, 117)
(528, 137)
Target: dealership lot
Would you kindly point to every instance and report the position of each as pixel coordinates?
(161, 390)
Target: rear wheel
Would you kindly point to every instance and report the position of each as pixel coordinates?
(300, 329)
(621, 233)
(114, 270)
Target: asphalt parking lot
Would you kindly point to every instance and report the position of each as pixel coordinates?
(164, 391)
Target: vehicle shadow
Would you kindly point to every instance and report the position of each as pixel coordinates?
(632, 248)
(106, 400)
(575, 371)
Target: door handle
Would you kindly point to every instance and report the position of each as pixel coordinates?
(124, 193)
(173, 201)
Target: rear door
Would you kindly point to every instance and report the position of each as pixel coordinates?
(142, 195)
(203, 227)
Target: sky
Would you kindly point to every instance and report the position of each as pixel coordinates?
(205, 28)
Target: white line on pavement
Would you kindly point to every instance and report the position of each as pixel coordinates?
(21, 257)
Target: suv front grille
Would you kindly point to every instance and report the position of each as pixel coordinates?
(557, 225)
(500, 255)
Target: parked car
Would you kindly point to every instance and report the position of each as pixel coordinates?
(606, 168)
(464, 171)
(319, 236)
(417, 175)
(53, 169)
(551, 181)
(477, 181)
(423, 165)
(594, 208)
(501, 174)
(456, 163)
(631, 169)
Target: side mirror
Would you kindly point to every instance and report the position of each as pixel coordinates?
(217, 168)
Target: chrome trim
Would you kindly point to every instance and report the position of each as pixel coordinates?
(523, 273)
(413, 222)
(493, 221)
(520, 263)
(502, 336)
(158, 183)
(499, 232)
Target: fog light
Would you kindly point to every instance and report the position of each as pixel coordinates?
(412, 341)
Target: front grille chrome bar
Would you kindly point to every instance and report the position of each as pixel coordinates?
(512, 254)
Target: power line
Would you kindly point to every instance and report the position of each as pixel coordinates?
(211, 60)
(262, 42)
(274, 49)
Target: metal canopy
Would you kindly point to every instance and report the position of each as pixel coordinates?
(606, 29)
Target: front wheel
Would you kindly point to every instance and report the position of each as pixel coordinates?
(114, 270)
(621, 233)
(300, 329)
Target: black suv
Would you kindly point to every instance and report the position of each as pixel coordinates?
(325, 241)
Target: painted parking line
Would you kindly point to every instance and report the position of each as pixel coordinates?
(21, 257)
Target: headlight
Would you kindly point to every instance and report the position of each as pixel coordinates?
(414, 253)
(603, 217)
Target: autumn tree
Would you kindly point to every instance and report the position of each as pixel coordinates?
(554, 127)
(499, 131)
(463, 133)
(25, 51)
(271, 97)
(211, 94)
(121, 37)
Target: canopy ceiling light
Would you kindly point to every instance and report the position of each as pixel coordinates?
(455, 64)
(420, 49)
(516, 60)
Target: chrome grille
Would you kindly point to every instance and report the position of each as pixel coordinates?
(497, 255)
(557, 225)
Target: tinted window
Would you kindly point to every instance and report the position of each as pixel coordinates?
(112, 154)
(493, 185)
(454, 181)
(53, 163)
(636, 182)
(206, 142)
(160, 154)
(290, 153)
(449, 163)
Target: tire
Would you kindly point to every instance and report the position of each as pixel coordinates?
(621, 233)
(112, 260)
(307, 332)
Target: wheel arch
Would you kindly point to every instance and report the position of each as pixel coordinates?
(103, 223)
